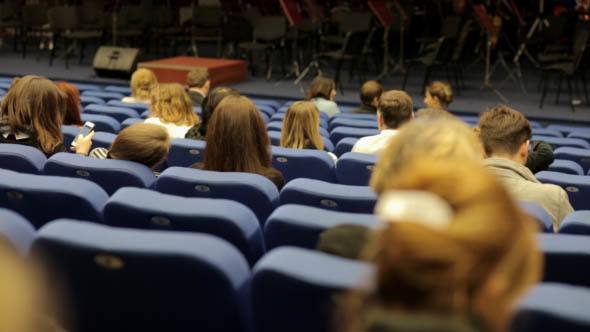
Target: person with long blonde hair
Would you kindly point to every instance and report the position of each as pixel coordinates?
(301, 127)
(172, 108)
(143, 81)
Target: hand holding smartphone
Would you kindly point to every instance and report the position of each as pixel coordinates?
(86, 129)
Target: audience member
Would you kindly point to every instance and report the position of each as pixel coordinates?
(455, 254)
(301, 127)
(171, 107)
(506, 135)
(370, 93)
(434, 114)
(395, 109)
(198, 85)
(438, 95)
(32, 114)
(199, 131)
(237, 141)
(321, 93)
(143, 81)
(73, 104)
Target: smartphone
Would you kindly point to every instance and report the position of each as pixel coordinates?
(87, 128)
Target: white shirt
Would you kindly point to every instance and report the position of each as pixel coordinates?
(175, 131)
(324, 105)
(374, 144)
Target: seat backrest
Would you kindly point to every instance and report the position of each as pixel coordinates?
(303, 163)
(566, 166)
(341, 132)
(103, 140)
(69, 133)
(335, 197)
(121, 89)
(118, 113)
(357, 116)
(355, 168)
(185, 152)
(568, 129)
(580, 156)
(585, 135)
(558, 142)
(354, 123)
(21, 158)
(539, 213)
(547, 132)
(255, 191)
(577, 222)
(110, 174)
(553, 307)
(104, 123)
(293, 289)
(148, 209)
(41, 198)
(144, 280)
(16, 231)
(567, 258)
(129, 122)
(576, 186)
(104, 95)
(87, 100)
(345, 145)
(300, 226)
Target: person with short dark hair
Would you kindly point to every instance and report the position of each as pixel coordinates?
(199, 131)
(321, 93)
(370, 93)
(506, 134)
(395, 108)
(199, 83)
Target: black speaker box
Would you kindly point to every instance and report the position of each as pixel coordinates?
(112, 61)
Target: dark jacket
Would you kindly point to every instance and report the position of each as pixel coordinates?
(196, 98)
(365, 109)
(31, 141)
(540, 157)
(195, 133)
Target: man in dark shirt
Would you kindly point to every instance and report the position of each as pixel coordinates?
(370, 93)
(198, 85)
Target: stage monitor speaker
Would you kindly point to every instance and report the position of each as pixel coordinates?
(111, 61)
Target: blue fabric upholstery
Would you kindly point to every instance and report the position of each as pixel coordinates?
(87, 100)
(576, 186)
(266, 109)
(552, 307)
(547, 132)
(539, 213)
(581, 156)
(21, 158)
(567, 258)
(585, 135)
(16, 230)
(270, 102)
(358, 116)
(568, 129)
(128, 122)
(355, 168)
(118, 113)
(255, 191)
(185, 152)
(341, 132)
(139, 107)
(138, 280)
(345, 145)
(146, 114)
(566, 166)
(117, 88)
(110, 174)
(354, 123)
(103, 140)
(558, 142)
(293, 289)
(104, 123)
(577, 222)
(148, 209)
(311, 164)
(87, 87)
(103, 95)
(69, 133)
(41, 198)
(336, 197)
(300, 226)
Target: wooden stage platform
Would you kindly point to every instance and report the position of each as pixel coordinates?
(174, 70)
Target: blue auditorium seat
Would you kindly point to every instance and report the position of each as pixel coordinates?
(87, 100)
(148, 209)
(345, 108)
(42, 198)
(585, 135)
(568, 129)
(146, 114)
(103, 123)
(104, 95)
(577, 222)
(293, 289)
(356, 116)
(69, 133)
(266, 109)
(275, 139)
(141, 280)
(581, 156)
(117, 88)
(2, 92)
(341, 132)
(304, 163)
(355, 168)
(539, 213)
(110, 174)
(558, 142)
(185, 152)
(567, 258)
(552, 307)
(576, 186)
(128, 122)
(270, 102)
(265, 117)
(21, 158)
(118, 113)
(16, 231)
(566, 166)
(331, 196)
(345, 145)
(87, 87)
(139, 107)
(300, 226)
(103, 140)
(253, 190)
(547, 132)
(354, 123)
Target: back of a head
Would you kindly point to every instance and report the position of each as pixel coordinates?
(434, 114)
(236, 138)
(396, 107)
(369, 91)
(301, 126)
(197, 77)
(321, 87)
(440, 140)
(170, 103)
(443, 91)
(503, 130)
(144, 143)
(72, 116)
(143, 81)
(210, 103)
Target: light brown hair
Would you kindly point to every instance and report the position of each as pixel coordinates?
(396, 107)
(210, 102)
(35, 104)
(197, 77)
(301, 126)
(170, 103)
(434, 114)
(143, 81)
(503, 130)
(236, 138)
(442, 91)
(72, 117)
(321, 86)
(144, 143)
(369, 91)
